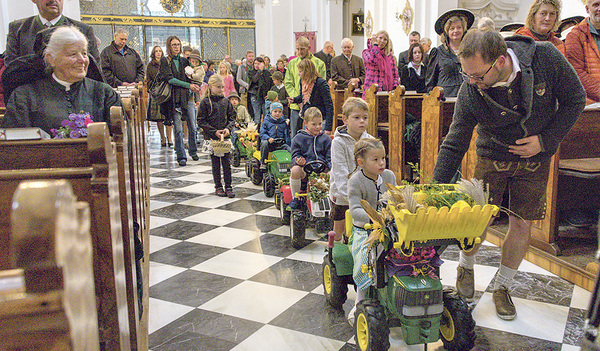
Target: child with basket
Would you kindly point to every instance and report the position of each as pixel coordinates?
(216, 117)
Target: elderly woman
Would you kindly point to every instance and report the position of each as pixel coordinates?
(444, 66)
(180, 106)
(380, 65)
(46, 102)
(542, 22)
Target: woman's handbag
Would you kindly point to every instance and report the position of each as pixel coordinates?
(160, 91)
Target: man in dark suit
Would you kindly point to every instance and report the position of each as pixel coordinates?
(326, 55)
(413, 38)
(347, 68)
(21, 33)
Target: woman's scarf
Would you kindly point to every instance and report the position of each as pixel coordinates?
(384, 65)
(306, 91)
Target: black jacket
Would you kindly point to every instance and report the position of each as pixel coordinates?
(326, 58)
(260, 83)
(179, 95)
(320, 97)
(215, 113)
(22, 33)
(411, 80)
(118, 68)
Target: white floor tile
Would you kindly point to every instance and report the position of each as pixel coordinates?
(158, 243)
(284, 230)
(156, 222)
(529, 267)
(260, 197)
(255, 301)
(483, 274)
(566, 347)
(274, 338)
(217, 217)
(154, 180)
(581, 298)
(250, 185)
(199, 188)
(237, 264)
(162, 313)
(225, 237)
(528, 322)
(157, 191)
(194, 167)
(208, 201)
(196, 177)
(160, 272)
(155, 205)
(271, 212)
(311, 253)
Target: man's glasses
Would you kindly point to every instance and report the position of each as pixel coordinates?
(479, 78)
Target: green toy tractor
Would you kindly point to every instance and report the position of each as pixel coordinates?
(244, 146)
(279, 163)
(416, 302)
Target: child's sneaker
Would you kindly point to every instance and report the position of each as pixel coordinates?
(294, 204)
(229, 192)
(220, 192)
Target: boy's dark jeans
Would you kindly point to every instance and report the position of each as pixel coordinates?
(217, 162)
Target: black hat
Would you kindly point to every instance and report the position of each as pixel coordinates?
(441, 21)
(511, 27)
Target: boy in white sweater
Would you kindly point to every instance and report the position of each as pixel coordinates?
(355, 113)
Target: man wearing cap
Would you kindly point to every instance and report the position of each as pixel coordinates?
(582, 45)
(523, 96)
(347, 68)
(21, 33)
(121, 65)
(292, 79)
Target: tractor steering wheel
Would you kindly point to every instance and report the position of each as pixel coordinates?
(278, 143)
(316, 166)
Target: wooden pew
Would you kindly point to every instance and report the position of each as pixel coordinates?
(435, 122)
(378, 110)
(90, 167)
(568, 188)
(337, 97)
(139, 172)
(401, 103)
(47, 302)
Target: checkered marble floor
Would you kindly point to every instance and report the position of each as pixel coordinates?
(223, 276)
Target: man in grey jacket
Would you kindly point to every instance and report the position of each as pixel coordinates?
(523, 96)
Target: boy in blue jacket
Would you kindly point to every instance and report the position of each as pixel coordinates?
(273, 127)
(308, 145)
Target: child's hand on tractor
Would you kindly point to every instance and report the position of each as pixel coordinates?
(271, 140)
(300, 161)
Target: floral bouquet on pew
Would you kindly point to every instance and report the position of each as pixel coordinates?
(75, 126)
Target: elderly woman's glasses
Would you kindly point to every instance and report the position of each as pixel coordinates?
(479, 78)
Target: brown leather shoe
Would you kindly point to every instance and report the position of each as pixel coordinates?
(505, 308)
(465, 282)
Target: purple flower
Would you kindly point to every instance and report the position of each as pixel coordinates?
(65, 123)
(72, 117)
(83, 132)
(74, 134)
(72, 125)
(79, 122)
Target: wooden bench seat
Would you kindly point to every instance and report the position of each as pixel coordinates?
(90, 167)
(38, 313)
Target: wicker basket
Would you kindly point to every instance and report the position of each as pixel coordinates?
(220, 147)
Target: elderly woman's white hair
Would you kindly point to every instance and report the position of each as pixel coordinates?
(61, 37)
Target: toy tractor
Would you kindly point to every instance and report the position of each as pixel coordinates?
(279, 163)
(416, 301)
(244, 145)
(310, 211)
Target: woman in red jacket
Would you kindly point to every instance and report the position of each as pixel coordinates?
(542, 22)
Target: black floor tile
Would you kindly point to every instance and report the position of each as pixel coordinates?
(182, 230)
(264, 224)
(247, 206)
(185, 254)
(174, 196)
(299, 275)
(177, 211)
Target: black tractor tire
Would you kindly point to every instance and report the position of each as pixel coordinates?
(457, 327)
(323, 224)
(248, 168)
(269, 184)
(297, 228)
(235, 157)
(371, 330)
(335, 287)
(255, 171)
(285, 214)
